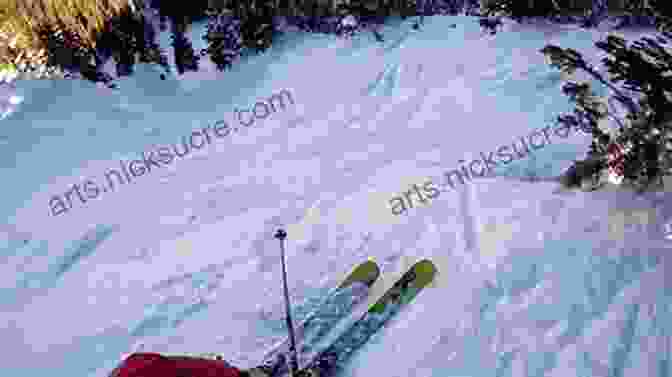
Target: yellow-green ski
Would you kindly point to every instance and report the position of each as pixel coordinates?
(328, 361)
(337, 305)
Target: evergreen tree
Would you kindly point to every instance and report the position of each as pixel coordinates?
(128, 38)
(224, 40)
(520, 10)
(257, 27)
(638, 148)
(640, 81)
(151, 51)
(66, 52)
(185, 56)
(125, 37)
(131, 37)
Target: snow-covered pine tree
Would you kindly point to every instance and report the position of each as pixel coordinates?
(186, 59)
(640, 79)
(640, 82)
(257, 26)
(125, 38)
(68, 53)
(223, 38)
(151, 51)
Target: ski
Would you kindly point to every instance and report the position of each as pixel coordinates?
(329, 360)
(339, 302)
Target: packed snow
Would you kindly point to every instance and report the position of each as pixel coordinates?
(533, 281)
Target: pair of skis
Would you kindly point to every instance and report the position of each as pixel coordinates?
(320, 358)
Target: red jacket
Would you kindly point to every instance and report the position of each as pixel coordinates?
(156, 365)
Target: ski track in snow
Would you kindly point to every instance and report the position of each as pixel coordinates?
(530, 283)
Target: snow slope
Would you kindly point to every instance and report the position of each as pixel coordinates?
(183, 260)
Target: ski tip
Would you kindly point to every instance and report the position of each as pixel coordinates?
(421, 274)
(366, 272)
(426, 270)
(426, 264)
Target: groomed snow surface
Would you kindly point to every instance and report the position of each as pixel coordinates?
(532, 282)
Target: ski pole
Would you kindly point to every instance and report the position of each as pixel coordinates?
(293, 358)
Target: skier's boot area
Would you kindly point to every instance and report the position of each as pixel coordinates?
(268, 369)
